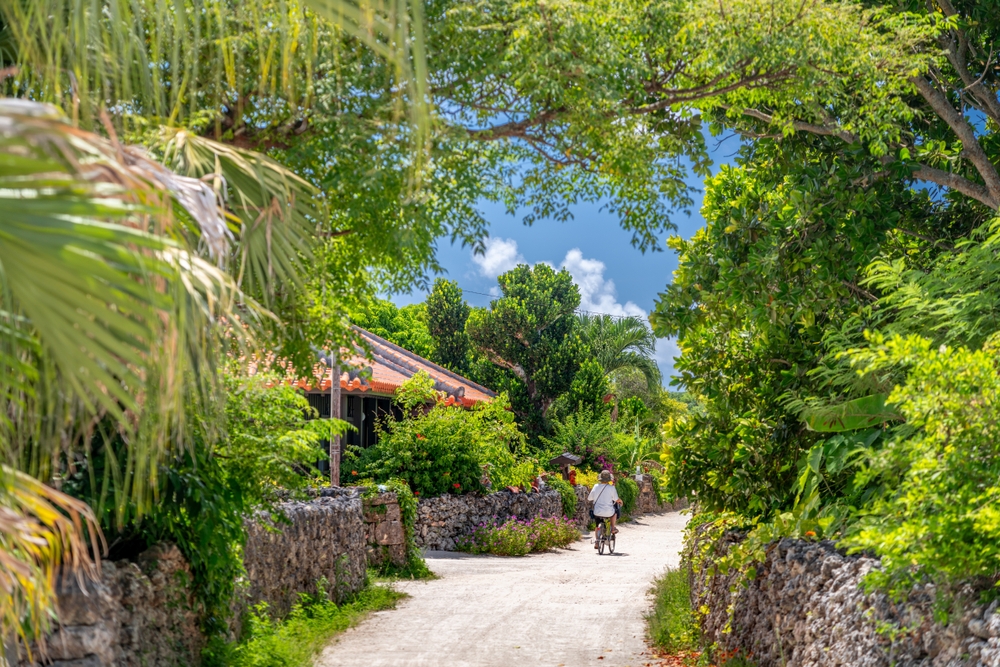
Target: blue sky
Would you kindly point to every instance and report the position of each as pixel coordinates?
(613, 276)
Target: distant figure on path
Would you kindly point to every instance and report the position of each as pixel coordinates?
(605, 499)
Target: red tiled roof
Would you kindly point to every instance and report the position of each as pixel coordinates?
(386, 368)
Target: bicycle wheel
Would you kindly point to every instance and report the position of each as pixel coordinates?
(611, 543)
(602, 539)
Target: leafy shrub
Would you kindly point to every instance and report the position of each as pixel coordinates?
(204, 492)
(586, 477)
(269, 442)
(628, 491)
(672, 624)
(447, 449)
(433, 453)
(298, 639)
(567, 493)
(938, 514)
(514, 537)
(583, 434)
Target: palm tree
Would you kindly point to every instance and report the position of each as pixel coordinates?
(127, 273)
(114, 303)
(621, 344)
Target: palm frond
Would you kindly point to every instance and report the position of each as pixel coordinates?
(44, 534)
(277, 211)
(621, 344)
(102, 304)
(215, 62)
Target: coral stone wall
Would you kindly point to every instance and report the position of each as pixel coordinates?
(287, 554)
(136, 615)
(582, 515)
(806, 607)
(384, 532)
(441, 520)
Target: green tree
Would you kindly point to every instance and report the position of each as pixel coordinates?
(530, 335)
(447, 313)
(406, 326)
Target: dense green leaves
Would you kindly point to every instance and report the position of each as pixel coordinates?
(447, 313)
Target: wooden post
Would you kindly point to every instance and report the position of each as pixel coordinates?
(334, 414)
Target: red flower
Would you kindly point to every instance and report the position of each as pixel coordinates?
(457, 485)
(354, 472)
(416, 493)
(420, 437)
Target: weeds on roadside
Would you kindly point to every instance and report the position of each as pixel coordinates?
(514, 537)
(299, 638)
(672, 624)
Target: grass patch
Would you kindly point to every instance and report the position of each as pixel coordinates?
(299, 638)
(672, 624)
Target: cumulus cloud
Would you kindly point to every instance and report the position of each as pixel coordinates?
(501, 256)
(597, 293)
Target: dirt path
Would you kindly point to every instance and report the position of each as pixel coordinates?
(565, 608)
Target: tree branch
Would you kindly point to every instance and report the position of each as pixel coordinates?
(971, 148)
(922, 172)
(958, 183)
(516, 129)
(955, 51)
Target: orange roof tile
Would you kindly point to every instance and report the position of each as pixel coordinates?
(383, 371)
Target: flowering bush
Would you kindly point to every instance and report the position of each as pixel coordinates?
(446, 449)
(514, 537)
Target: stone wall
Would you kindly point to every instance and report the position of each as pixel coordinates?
(582, 515)
(323, 538)
(384, 531)
(441, 520)
(806, 608)
(135, 614)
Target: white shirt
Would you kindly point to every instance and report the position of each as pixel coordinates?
(604, 497)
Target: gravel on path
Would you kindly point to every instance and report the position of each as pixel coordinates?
(566, 608)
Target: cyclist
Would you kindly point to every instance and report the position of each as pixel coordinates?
(605, 499)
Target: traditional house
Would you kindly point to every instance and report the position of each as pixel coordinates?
(368, 380)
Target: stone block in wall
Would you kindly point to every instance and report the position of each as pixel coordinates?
(385, 534)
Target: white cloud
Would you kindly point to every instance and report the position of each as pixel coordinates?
(501, 256)
(597, 293)
(667, 351)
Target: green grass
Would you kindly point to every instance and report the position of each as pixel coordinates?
(672, 624)
(299, 638)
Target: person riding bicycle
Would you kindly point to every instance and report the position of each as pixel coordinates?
(605, 499)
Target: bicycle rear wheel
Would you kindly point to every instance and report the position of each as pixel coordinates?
(611, 543)
(602, 539)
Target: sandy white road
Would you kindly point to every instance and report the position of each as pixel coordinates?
(571, 607)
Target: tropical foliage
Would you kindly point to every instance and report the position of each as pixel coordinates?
(835, 316)
(529, 337)
(448, 448)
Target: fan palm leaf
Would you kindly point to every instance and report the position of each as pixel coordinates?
(104, 310)
(620, 344)
(192, 62)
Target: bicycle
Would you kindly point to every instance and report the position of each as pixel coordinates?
(604, 535)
